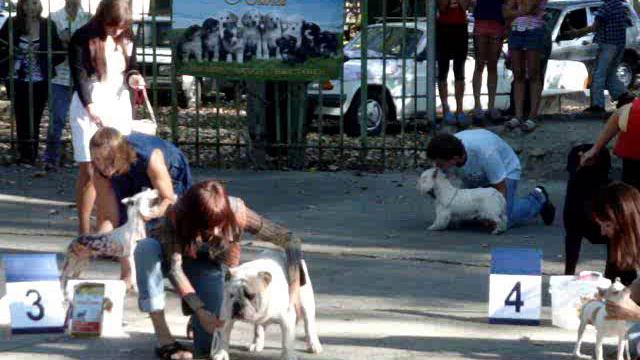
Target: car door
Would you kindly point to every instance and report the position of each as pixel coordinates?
(567, 47)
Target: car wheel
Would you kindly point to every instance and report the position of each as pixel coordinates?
(376, 116)
(626, 73)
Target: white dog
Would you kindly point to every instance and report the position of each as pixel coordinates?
(594, 313)
(453, 204)
(252, 25)
(258, 292)
(272, 31)
(120, 242)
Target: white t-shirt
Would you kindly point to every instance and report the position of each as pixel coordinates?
(490, 160)
(64, 23)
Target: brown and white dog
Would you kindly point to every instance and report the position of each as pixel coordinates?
(120, 242)
(594, 313)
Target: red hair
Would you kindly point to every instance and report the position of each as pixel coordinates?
(204, 214)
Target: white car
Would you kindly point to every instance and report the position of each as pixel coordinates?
(561, 76)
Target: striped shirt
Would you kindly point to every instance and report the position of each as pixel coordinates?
(529, 22)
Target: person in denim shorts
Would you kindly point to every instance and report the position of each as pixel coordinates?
(526, 44)
(452, 44)
(488, 35)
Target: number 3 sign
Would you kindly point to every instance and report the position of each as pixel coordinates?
(34, 293)
(515, 286)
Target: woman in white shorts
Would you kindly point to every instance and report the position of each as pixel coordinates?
(102, 62)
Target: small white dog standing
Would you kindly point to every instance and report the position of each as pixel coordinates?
(594, 313)
(120, 242)
(453, 204)
(258, 292)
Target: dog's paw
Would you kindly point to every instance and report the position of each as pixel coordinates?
(435, 228)
(314, 347)
(221, 355)
(256, 347)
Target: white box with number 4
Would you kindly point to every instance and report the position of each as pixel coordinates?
(515, 298)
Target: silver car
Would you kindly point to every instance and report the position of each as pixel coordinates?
(566, 15)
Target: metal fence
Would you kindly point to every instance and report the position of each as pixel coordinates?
(376, 116)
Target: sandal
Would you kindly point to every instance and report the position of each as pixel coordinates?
(167, 351)
(528, 126)
(512, 124)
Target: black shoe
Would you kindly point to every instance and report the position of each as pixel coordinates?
(594, 110)
(548, 211)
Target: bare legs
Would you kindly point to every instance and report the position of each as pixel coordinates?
(85, 197)
(487, 53)
(526, 64)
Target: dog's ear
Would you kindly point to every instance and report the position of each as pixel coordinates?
(265, 277)
(127, 201)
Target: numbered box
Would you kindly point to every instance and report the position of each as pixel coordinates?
(36, 302)
(515, 286)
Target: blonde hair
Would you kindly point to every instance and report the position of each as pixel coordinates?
(108, 144)
(619, 204)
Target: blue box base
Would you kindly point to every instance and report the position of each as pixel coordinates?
(514, 322)
(32, 331)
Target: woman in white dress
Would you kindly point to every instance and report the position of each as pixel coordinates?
(102, 62)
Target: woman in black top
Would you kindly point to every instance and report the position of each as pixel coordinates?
(102, 60)
(31, 69)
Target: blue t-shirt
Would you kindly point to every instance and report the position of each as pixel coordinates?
(490, 160)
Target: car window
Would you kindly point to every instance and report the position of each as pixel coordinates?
(144, 35)
(389, 42)
(573, 20)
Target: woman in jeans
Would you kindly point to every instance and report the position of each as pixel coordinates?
(102, 63)
(526, 44)
(200, 236)
(488, 35)
(452, 44)
(30, 71)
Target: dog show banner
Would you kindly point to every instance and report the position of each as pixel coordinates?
(295, 40)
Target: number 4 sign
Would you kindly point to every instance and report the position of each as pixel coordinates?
(515, 286)
(34, 293)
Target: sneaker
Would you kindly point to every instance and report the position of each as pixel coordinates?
(462, 120)
(449, 118)
(478, 117)
(528, 125)
(548, 211)
(594, 110)
(512, 124)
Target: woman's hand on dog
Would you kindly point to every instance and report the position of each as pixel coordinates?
(626, 309)
(209, 321)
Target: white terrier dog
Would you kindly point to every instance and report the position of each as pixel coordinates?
(594, 313)
(120, 242)
(453, 204)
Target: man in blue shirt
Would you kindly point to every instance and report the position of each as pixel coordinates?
(610, 27)
(485, 160)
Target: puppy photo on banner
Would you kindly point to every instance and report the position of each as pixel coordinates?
(268, 40)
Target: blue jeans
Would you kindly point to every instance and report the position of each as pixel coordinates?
(521, 210)
(206, 277)
(608, 59)
(60, 102)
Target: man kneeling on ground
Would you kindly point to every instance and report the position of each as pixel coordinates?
(484, 160)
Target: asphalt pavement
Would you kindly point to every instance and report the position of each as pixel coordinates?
(386, 287)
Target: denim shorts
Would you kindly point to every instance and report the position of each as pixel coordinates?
(532, 39)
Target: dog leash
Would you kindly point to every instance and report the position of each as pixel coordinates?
(452, 198)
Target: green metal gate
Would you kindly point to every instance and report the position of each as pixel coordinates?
(354, 122)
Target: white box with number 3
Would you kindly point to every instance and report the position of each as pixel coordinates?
(516, 298)
(36, 306)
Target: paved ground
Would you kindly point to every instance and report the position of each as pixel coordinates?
(386, 288)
